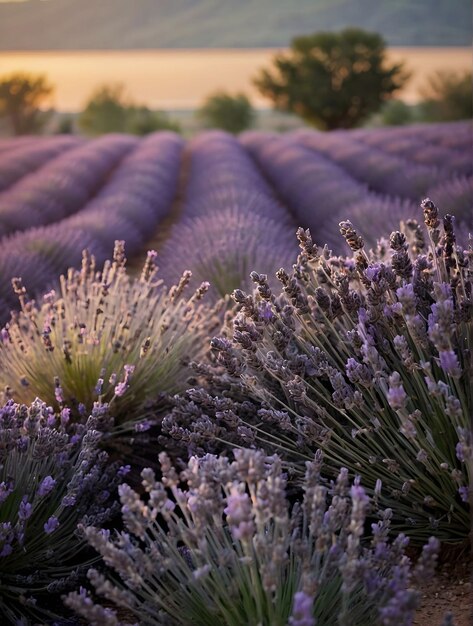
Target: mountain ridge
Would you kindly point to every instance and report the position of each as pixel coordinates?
(145, 24)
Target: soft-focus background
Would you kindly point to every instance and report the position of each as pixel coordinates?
(170, 56)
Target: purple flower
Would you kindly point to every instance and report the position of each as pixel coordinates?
(397, 397)
(6, 550)
(25, 510)
(5, 490)
(46, 486)
(449, 363)
(51, 525)
(463, 491)
(120, 389)
(302, 610)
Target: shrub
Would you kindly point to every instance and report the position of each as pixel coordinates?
(447, 97)
(229, 549)
(231, 113)
(51, 478)
(367, 358)
(103, 334)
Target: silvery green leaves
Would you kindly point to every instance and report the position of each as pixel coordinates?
(220, 542)
(105, 336)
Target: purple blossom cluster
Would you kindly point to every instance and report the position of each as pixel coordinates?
(229, 548)
(51, 479)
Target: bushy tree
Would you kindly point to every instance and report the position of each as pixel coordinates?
(110, 110)
(448, 97)
(231, 113)
(142, 121)
(21, 99)
(332, 80)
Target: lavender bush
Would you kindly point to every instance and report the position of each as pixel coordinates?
(367, 358)
(103, 335)
(51, 479)
(228, 548)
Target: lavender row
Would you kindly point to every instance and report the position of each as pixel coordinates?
(62, 186)
(137, 196)
(16, 162)
(382, 172)
(423, 147)
(231, 221)
(321, 193)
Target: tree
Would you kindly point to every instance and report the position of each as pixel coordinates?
(447, 97)
(105, 111)
(332, 80)
(21, 99)
(110, 110)
(143, 121)
(231, 113)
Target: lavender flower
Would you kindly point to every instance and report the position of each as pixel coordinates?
(50, 481)
(379, 381)
(229, 548)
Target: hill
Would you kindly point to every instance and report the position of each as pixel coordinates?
(125, 24)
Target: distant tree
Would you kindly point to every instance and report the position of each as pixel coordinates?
(397, 113)
(447, 97)
(231, 113)
(332, 80)
(106, 111)
(65, 125)
(110, 110)
(21, 99)
(143, 121)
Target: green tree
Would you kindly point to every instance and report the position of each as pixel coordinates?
(143, 121)
(106, 111)
(447, 97)
(21, 99)
(231, 113)
(110, 110)
(332, 80)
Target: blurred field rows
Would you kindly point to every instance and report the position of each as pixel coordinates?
(217, 205)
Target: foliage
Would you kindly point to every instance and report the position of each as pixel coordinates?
(231, 113)
(104, 335)
(21, 98)
(397, 113)
(448, 97)
(51, 479)
(367, 358)
(228, 549)
(110, 110)
(332, 80)
(142, 121)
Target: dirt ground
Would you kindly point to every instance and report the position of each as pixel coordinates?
(451, 590)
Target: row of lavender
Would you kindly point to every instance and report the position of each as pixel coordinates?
(113, 188)
(231, 223)
(327, 177)
(240, 200)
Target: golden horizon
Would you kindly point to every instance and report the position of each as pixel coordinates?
(182, 78)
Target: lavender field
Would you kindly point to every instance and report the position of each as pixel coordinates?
(233, 204)
(236, 376)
